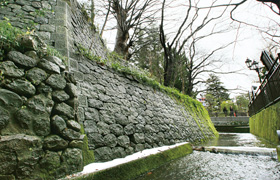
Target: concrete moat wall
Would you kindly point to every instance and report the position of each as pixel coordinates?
(46, 107)
(266, 123)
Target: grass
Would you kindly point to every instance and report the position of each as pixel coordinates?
(9, 40)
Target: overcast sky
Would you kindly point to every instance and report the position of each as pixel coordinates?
(249, 44)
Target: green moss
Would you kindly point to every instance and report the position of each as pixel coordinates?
(137, 167)
(278, 153)
(265, 123)
(88, 155)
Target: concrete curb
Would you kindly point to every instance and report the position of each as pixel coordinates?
(137, 167)
(240, 150)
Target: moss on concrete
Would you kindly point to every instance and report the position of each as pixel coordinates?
(137, 167)
(265, 123)
(278, 152)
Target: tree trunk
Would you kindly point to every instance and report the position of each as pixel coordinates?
(121, 46)
(168, 71)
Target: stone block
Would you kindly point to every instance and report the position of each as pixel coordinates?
(56, 81)
(22, 59)
(22, 87)
(55, 143)
(47, 28)
(82, 101)
(64, 110)
(8, 68)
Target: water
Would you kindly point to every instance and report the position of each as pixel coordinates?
(218, 166)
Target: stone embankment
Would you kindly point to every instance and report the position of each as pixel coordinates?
(40, 137)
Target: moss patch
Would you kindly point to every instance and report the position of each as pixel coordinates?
(265, 123)
(88, 155)
(137, 167)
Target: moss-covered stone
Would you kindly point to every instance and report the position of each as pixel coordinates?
(265, 123)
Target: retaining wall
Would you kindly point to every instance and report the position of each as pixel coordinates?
(266, 123)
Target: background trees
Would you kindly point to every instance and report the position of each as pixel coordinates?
(216, 93)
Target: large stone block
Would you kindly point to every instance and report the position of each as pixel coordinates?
(65, 110)
(8, 68)
(22, 87)
(22, 59)
(56, 81)
(138, 138)
(55, 143)
(36, 75)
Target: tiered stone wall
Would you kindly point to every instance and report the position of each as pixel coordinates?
(121, 116)
(40, 137)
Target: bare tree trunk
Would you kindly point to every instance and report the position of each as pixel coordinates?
(92, 11)
(121, 46)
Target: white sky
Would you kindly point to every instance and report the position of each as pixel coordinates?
(250, 42)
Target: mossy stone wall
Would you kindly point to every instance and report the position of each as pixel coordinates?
(265, 123)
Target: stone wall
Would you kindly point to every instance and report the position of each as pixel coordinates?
(122, 116)
(40, 137)
(60, 23)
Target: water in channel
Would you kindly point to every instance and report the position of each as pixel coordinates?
(218, 166)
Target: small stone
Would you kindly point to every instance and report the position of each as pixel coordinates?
(10, 99)
(32, 54)
(40, 104)
(56, 60)
(49, 66)
(36, 5)
(76, 144)
(70, 134)
(64, 109)
(47, 27)
(71, 89)
(28, 8)
(103, 154)
(41, 126)
(44, 89)
(8, 163)
(110, 140)
(73, 159)
(4, 118)
(116, 129)
(74, 125)
(56, 81)
(24, 118)
(22, 87)
(138, 138)
(36, 75)
(8, 68)
(118, 152)
(60, 96)
(58, 124)
(55, 143)
(50, 161)
(22, 59)
(124, 141)
(34, 43)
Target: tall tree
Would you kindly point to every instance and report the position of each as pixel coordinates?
(216, 93)
(130, 15)
(147, 52)
(184, 41)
